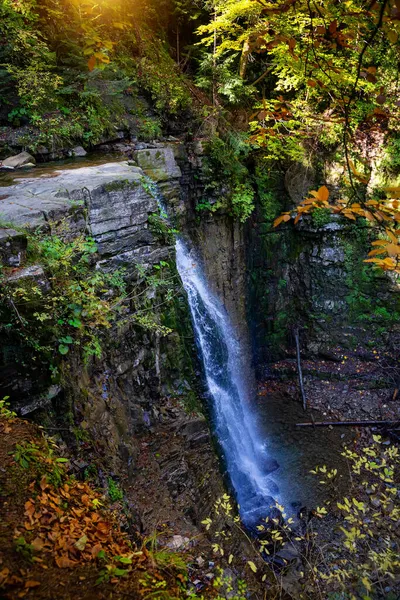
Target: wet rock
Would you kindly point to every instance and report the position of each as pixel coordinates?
(159, 163)
(29, 277)
(289, 554)
(78, 151)
(118, 215)
(40, 401)
(200, 561)
(270, 465)
(12, 247)
(19, 160)
(35, 202)
(271, 486)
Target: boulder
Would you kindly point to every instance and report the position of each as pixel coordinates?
(12, 247)
(158, 163)
(19, 160)
(78, 151)
(40, 401)
(30, 277)
(299, 180)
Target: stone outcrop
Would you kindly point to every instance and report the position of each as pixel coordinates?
(19, 161)
(12, 247)
(130, 402)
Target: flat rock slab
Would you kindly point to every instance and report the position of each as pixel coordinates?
(33, 201)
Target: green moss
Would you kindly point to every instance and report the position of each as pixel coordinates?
(122, 184)
(321, 217)
(366, 303)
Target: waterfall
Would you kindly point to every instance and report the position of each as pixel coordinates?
(235, 426)
(246, 459)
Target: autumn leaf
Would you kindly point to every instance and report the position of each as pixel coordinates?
(92, 63)
(29, 509)
(322, 194)
(63, 562)
(81, 543)
(283, 218)
(252, 566)
(37, 544)
(31, 583)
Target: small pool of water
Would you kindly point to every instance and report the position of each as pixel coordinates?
(298, 450)
(49, 169)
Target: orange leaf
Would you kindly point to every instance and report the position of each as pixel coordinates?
(96, 549)
(278, 221)
(63, 562)
(29, 509)
(31, 584)
(37, 544)
(393, 249)
(391, 236)
(323, 193)
(92, 63)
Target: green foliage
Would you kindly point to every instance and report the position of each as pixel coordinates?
(42, 458)
(161, 229)
(391, 158)
(228, 176)
(74, 70)
(114, 491)
(5, 412)
(242, 201)
(149, 129)
(25, 454)
(321, 217)
(161, 79)
(68, 313)
(268, 198)
(24, 549)
(364, 557)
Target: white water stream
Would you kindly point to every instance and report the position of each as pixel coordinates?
(244, 452)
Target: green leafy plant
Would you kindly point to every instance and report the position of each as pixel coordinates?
(114, 491)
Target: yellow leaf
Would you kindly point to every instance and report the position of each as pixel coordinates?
(393, 249)
(252, 566)
(391, 236)
(392, 37)
(81, 543)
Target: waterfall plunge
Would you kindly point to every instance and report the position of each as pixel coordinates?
(235, 426)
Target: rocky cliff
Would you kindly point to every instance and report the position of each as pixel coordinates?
(136, 409)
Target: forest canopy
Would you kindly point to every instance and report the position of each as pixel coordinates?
(312, 79)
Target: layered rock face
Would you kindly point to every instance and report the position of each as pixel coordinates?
(131, 400)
